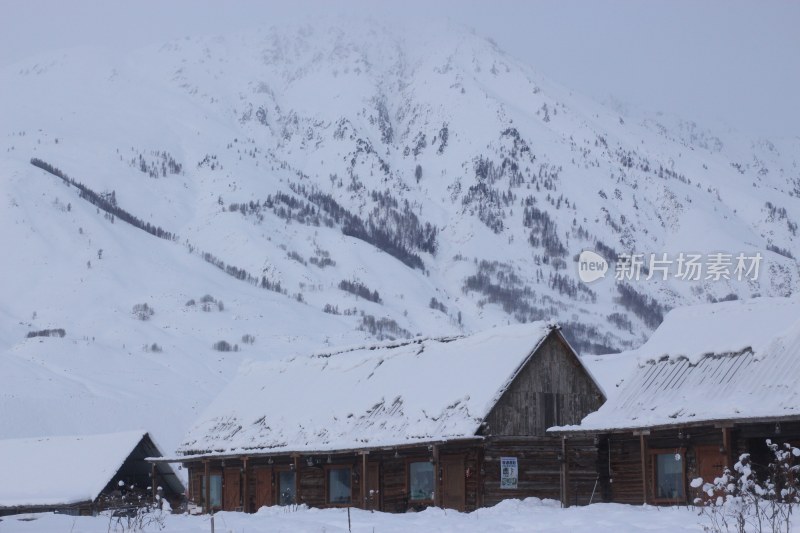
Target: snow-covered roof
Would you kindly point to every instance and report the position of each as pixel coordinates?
(419, 391)
(48, 471)
(610, 370)
(716, 362)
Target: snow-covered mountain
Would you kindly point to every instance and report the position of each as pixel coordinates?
(281, 191)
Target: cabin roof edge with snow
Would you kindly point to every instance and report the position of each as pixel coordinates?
(422, 391)
(721, 363)
(70, 474)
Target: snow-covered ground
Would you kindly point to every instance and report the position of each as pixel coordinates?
(509, 516)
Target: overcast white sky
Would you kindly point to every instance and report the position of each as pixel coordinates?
(731, 61)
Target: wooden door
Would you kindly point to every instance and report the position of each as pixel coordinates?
(373, 484)
(710, 463)
(453, 485)
(232, 489)
(196, 488)
(263, 487)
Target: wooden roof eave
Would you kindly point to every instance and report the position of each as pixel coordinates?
(255, 453)
(717, 423)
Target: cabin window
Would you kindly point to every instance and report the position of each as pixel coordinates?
(420, 481)
(215, 492)
(552, 403)
(339, 491)
(286, 487)
(669, 480)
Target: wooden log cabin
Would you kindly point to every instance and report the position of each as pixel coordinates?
(81, 475)
(713, 382)
(454, 422)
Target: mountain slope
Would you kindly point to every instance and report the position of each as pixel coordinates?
(336, 184)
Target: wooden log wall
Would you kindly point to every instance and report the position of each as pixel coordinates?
(626, 469)
(583, 476)
(552, 389)
(392, 484)
(625, 482)
(538, 459)
(539, 462)
(393, 487)
(312, 486)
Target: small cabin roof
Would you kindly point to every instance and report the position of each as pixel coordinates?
(389, 395)
(66, 470)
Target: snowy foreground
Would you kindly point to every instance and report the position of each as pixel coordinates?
(510, 516)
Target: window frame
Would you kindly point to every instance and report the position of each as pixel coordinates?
(276, 473)
(330, 468)
(654, 453)
(215, 474)
(420, 459)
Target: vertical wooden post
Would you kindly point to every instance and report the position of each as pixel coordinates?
(245, 487)
(643, 451)
(564, 473)
(479, 478)
(298, 498)
(728, 446)
(364, 480)
(153, 483)
(437, 492)
(207, 495)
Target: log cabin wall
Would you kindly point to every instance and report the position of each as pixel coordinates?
(583, 476)
(611, 468)
(553, 389)
(539, 462)
(621, 469)
(706, 450)
(395, 478)
(312, 485)
(472, 468)
(474, 485)
(393, 486)
(393, 482)
(751, 438)
(678, 441)
(538, 466)
(625, 469)
(245, 485)
(602, 491)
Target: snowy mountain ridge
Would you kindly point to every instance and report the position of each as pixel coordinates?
(328, 185)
